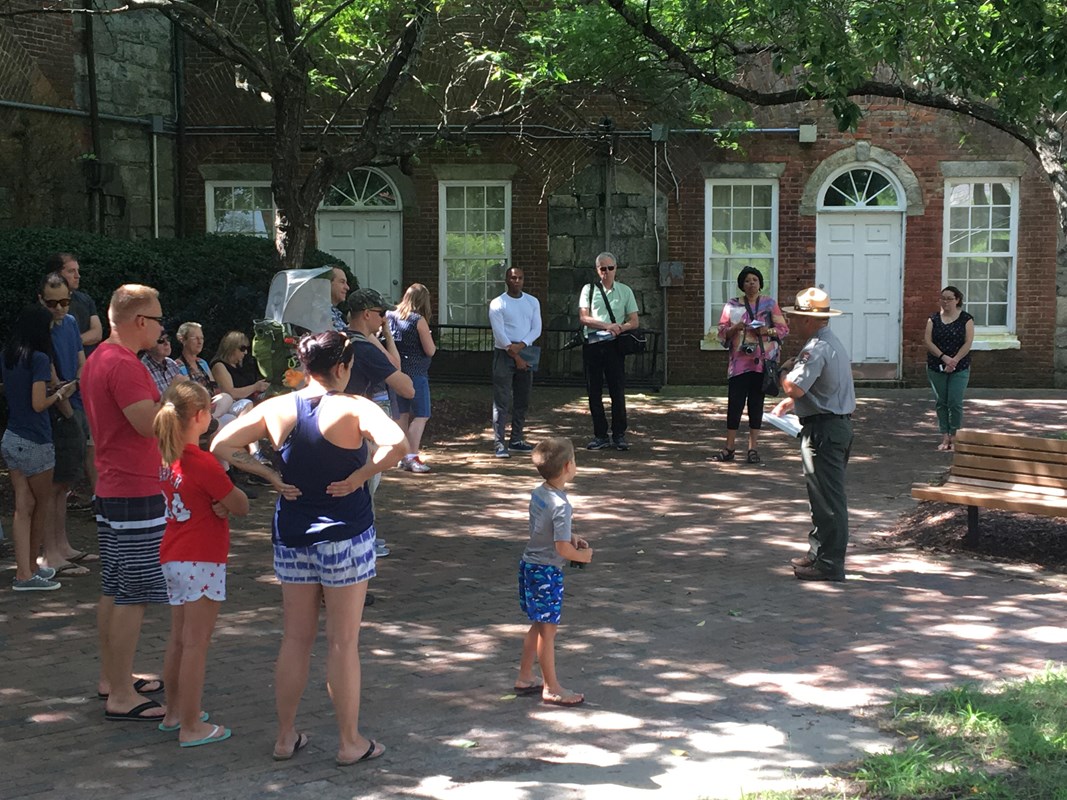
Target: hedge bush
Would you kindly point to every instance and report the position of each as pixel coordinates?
(217, 280)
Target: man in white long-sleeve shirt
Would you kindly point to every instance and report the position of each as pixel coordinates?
(516, 320)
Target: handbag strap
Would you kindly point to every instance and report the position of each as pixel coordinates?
(607, 305)
(757, 331)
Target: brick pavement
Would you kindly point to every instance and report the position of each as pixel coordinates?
(707, 667)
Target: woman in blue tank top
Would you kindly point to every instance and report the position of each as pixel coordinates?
(323, 531)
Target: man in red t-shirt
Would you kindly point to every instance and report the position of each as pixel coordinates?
(121, 401)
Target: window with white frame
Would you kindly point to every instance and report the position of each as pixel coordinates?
(475, 247)
(741, 229)
(245, 207)
(981, 223)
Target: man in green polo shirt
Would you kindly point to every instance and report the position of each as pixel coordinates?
(601, 357)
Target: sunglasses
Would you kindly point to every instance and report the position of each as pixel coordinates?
(163, 339)
(57, 303)
(380, 311)
(607, 268)
(243, 348)
(158, 320)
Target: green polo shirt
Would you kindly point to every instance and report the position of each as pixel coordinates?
(620, 296)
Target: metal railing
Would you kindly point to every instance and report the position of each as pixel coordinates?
(465, 353)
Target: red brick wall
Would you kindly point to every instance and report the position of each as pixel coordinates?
(921, 138)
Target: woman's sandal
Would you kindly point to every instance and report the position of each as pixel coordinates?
(753, 457)
(723, 455)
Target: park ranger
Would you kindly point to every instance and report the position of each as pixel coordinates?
(819, 388)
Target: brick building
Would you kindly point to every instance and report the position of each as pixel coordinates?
(882, 218)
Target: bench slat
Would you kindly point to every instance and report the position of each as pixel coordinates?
(961, 473)
(991, 439)
(1025, 454)
(999, 485)
(992, 498)
(1013, 466)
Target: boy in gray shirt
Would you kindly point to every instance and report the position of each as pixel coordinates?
(550, 547)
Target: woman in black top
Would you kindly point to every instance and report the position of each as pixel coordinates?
(948, 339)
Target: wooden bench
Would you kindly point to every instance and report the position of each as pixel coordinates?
(1003, 471)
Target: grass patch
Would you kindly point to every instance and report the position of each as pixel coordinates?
(1008, 742)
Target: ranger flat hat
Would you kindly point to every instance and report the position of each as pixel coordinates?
(813, 302)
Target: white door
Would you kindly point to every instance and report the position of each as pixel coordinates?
(859, 264)
(369, 243)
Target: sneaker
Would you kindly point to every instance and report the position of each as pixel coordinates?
(45, 572)
(416, 465)
(380, 550)
(619, 442)
(35, 584)
(501, 451)
(598, 443)
(521, 446)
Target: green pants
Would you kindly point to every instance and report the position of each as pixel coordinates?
(824, 447)
(948, 392)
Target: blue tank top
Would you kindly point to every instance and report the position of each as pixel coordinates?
(311, 463)
(413, 359)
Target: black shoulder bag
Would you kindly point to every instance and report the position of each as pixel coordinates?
(629, 342)
(772, 370)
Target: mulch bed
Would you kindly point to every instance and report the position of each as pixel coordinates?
(1003, 536)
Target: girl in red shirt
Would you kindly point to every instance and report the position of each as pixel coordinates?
(199, 496)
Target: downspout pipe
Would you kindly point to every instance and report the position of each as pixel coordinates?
(95, 192)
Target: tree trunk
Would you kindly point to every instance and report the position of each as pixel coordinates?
(294, 216)
(1049, 151)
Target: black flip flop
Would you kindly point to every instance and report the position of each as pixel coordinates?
(135, 714)
(138, 686)
(302, 740)
(526, 691)
(369, 755)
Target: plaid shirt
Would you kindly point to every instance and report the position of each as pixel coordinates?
(163, 373)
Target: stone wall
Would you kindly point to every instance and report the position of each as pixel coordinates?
(585, 220)
(135, 78)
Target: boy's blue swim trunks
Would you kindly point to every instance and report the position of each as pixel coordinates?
(541, 592)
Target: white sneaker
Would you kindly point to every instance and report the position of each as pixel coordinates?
(416, 465)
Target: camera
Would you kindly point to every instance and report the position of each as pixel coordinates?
(748, 348)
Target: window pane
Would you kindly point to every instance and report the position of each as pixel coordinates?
(721, 196)
(494, 196)
(494, 220)
(998, 315)
(454, 196)
(475, 197)
(455, 221)
(761, 196)
(476, 220)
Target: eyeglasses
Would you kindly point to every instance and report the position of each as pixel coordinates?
(57, 303)
(158, 320)
(243, 348)
(607, 268)
(379, 311)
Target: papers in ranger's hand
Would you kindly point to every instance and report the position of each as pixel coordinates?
(787, 423)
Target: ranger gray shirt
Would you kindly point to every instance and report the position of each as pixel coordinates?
(824, 371)
(550, 522)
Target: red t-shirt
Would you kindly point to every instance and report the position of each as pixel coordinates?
(194, 532)
(127, 463)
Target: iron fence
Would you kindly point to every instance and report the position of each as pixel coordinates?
(465, 353)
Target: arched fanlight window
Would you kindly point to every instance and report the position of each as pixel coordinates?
(365, 188)
(861, 188)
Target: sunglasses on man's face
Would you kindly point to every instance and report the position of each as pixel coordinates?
(57, 303)
(162, 340)
(607, 268)
(379, 311)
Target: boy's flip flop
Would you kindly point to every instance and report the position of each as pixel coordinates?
(368, 756)
(527, 691)
(567, 702)
(302, 740)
